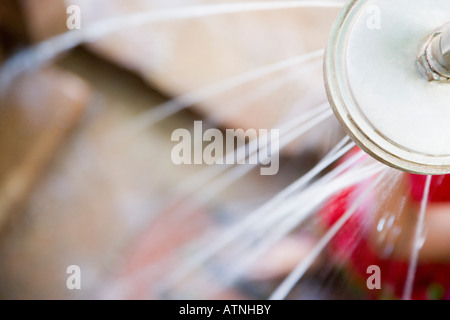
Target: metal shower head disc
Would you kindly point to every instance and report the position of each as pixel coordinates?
(385, 76)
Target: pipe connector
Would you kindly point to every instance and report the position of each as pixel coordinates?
(434, 58)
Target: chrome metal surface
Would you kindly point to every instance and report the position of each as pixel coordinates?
(438, 52)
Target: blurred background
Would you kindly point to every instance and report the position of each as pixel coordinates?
(80, 186)
(86, 176)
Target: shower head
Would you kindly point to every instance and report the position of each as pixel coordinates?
(387, 70)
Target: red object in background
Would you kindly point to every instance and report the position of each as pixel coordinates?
(432, 280)
(439, 188)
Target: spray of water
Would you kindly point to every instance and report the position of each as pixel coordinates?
(305, 204)
(417, 242)
(202, 178)
(286, 286)
(173, 106)
(287, 202)
(237, 172)
(313, 196)
(49, 50)
(268, 87)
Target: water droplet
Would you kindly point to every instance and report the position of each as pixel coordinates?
(420, 242)
(390, 221)
(381, 223)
